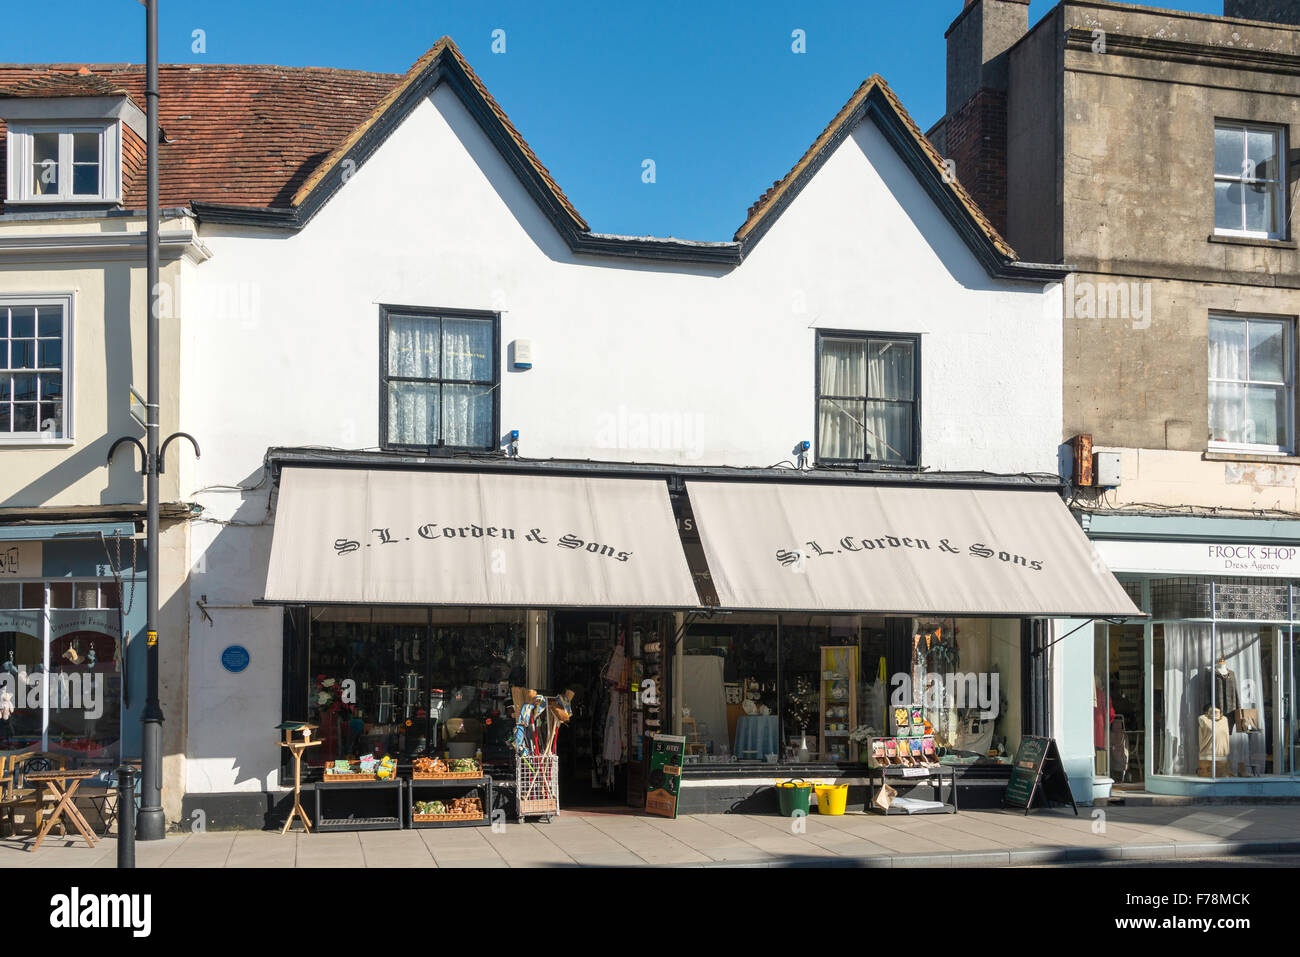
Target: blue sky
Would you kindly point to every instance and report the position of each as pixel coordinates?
(710, 90)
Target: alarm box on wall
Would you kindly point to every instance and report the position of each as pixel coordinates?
(1106, 470)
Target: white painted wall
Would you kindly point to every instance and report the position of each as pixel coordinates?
(725, 357)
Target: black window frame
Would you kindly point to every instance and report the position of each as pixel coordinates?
(866, 336)
(386, 312)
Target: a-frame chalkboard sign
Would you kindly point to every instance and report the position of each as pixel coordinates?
(1038, 772)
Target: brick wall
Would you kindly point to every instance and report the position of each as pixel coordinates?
(976, 137)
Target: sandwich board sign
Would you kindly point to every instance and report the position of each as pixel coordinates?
(664, 782)
(1038, 772)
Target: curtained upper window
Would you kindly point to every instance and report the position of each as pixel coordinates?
(868, 398)
(439, 380)
(1251, 398)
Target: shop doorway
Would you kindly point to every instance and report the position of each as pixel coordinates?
(1119, 705)
(584, 645)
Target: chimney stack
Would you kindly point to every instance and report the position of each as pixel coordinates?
(975, 128)
(1269, 11)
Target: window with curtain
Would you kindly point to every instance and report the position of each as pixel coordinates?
(867, 398)
(440, 377)
(1249, 181)
(1251, 397)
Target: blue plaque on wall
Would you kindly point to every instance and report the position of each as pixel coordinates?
(235, 659)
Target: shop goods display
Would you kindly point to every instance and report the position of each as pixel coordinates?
(438, 769)
(838, 701)
(914, 752)
(457, 809)
(367, 768)
(793, 797)
(536, 767)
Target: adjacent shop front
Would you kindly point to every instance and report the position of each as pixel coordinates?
(70, 597)
(1200, 698)
(775, 620)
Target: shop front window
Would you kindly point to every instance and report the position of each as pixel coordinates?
(730, 690)
(410, 682)
(971, 671)
(819, 688)
(1224, 684)
(60, 674)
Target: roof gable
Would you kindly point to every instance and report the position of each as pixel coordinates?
(269, 146)
(875, 100)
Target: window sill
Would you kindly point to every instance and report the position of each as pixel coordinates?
(35, 442)
(1264, 458)
(1231, 240)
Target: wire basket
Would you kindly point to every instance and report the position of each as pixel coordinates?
(537, 784)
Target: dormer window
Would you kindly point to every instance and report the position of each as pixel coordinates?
(64, 164)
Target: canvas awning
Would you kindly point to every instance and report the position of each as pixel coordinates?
(907, 550)
(417, 537)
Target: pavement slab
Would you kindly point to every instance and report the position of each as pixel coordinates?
(575, 839)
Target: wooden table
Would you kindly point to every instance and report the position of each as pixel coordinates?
(64, 785)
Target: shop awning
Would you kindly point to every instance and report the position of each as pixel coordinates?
(415, 537)
(906, 550)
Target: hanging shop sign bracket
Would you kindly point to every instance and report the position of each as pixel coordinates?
(1038, 652)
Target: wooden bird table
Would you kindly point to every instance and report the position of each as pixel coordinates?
(296, 748)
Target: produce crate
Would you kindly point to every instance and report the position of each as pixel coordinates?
(356, 778)
(446, 775)
(444, 818)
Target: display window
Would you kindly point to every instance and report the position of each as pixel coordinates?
(972, 676)
(412, 682)
(1222, 678)
(822, 688)
(60, 668)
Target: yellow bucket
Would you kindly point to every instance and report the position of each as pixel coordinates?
(832, 798)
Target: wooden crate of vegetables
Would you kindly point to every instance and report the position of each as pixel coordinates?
(436, 769)
(438, 812)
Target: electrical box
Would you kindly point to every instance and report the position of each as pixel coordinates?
(522, 353)
(1106, 471)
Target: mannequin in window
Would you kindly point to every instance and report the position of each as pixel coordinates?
(1212, 731)
(1222, 683)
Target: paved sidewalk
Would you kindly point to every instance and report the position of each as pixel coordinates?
(594, 839)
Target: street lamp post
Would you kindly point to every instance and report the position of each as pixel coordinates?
(151, 824)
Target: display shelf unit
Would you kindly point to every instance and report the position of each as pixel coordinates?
(483, 784)
(394, 789)
(839, 700)
(932, 777)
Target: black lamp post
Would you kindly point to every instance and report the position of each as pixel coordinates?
(151, 823)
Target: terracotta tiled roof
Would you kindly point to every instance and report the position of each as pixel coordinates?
(245, 135)
(82, 83)
(770, 199)
(259, 136)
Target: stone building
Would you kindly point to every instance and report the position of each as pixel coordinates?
(1153, 152)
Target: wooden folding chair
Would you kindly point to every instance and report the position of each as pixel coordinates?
(18, 796)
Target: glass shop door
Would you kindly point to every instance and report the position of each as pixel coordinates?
(1119, 705)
